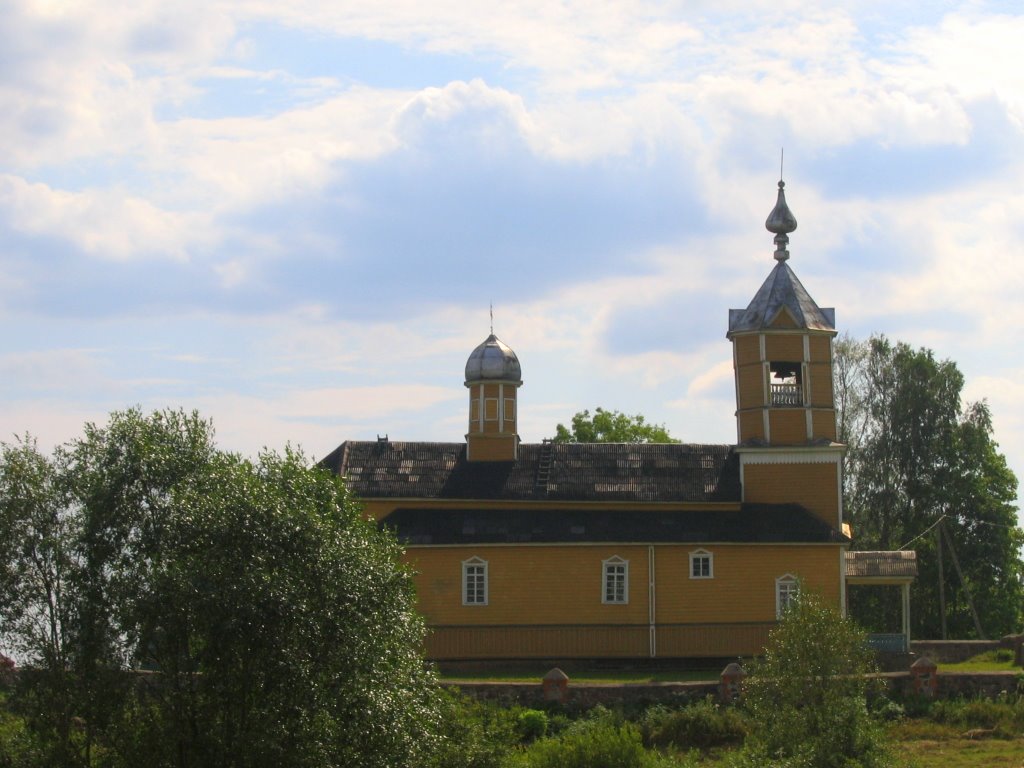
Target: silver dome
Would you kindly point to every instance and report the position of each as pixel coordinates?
(493, 360)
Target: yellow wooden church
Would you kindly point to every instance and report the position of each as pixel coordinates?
(562, 551)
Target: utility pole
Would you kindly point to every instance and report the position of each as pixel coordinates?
(942, 578)
(963, 581)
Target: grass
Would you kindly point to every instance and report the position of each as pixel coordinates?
(999, 660)
(521, 675)
(917, 753)
(964, 753)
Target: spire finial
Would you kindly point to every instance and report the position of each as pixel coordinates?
(492, 318)
(781, 220)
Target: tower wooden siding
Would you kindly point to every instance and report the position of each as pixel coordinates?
(825, 424)
(788, 346)
(751, 424)
(815, 486)
(787, 426)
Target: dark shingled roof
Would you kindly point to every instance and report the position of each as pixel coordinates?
(672, 472)
(782, 290)
(901, 564)
(752, 523)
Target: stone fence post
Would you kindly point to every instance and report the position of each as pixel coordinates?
(731, 686)
(924, 673)
(556, 686)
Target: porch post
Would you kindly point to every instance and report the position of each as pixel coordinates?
(906, 613)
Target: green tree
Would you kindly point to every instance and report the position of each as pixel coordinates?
(277, 622)
(807, 696)
(917, 454)
(611, 427)
(37, 584)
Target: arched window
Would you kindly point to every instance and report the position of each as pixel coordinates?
(702, 564)
(474, 581)
(615, 580)
(787, 592)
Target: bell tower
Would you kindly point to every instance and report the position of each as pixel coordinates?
(785, 404)
(493, 377)
(782, 354)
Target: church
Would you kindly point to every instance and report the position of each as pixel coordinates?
(614, 550)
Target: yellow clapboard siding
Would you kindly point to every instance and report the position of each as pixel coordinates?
(788, 426)
(786, 347)
(815, 486)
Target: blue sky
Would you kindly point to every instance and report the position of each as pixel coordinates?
(294, 216)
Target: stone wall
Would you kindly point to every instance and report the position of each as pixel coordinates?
(587, 695)
(951, 685)
(952, 651)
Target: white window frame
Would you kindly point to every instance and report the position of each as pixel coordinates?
(474, 568)
(510, 409)
(615, 581)
(787, 590)
(702, 554)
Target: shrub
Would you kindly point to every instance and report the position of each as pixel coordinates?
(1005, 715)
(699, 726)
(594, 744)
(807, 698)
(532, 724)
(888, 710)
(472, 734)
(18, 747)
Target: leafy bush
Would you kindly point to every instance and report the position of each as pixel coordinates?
(701, 726)
(532, 724)
(1005, 715)
(917, 706)
(594, 744)
(18, 747)
(807, 698)
(473, 734)
(888, 710)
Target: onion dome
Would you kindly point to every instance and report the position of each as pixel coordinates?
(781, 222)
(495, 361)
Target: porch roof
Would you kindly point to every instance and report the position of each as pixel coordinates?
(874, 567)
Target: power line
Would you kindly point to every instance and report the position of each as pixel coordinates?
(926, 530)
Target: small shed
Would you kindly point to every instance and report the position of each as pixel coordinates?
(877, 568)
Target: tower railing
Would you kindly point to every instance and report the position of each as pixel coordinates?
(787, 394)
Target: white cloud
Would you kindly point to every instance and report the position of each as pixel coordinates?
(972, 55)
(117, 142)
(105, 223)
(233, 163)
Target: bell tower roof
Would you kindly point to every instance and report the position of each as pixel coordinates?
(782, 292)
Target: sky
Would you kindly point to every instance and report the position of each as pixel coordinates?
(295, 217)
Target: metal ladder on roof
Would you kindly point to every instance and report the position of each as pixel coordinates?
(540, 482)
